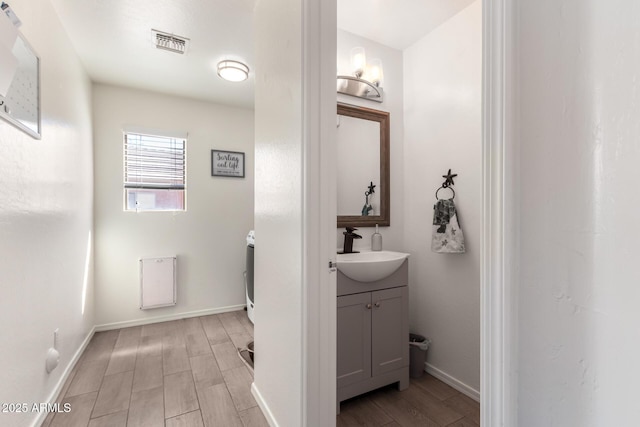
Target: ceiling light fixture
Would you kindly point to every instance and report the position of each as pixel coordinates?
(233, 71)
(366, 81)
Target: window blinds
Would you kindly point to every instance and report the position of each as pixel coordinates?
(154, 162)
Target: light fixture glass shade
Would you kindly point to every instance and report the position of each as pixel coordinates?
(358, 61)
(233, 71)
(374, 72)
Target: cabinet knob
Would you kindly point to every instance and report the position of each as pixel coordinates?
(368, 306)
(377, 304)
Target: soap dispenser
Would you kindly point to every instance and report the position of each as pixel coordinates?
(376, 240)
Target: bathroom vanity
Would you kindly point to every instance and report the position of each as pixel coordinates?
(373, 333)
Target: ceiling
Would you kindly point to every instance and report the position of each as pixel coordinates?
(397, 23)
(113, 39)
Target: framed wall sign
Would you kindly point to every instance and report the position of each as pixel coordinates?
(227, 163)
(21, 106)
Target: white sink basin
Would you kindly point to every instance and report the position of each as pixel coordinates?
(370, 266)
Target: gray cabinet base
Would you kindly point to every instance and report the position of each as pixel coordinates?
(400, 376)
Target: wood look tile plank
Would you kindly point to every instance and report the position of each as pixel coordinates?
(231, 323)
(427, 403)
(80, 413)
(217, 407)
(243, 317)
(123, 356)
(205, 371)
(150, 346)
(130, 335)
(88, 378)
(157, 329)
(100, 347)
(114, 394)
(238, 382)
(214, 330)
(389, 392)
(197, 343)
(175, 359)
(119, 419)
(465, 422)
(147, 408)
(191, 325)
(241, 340)
(122, 360)
(466, 406)
(404, 413)
(361, 411)
(69, 381)
(48, 420)
(253, 417)
(141, 375)
(227, 356)
(148, 373)
(192, 419)
(174, 336)
(434, 386)
(179, 394)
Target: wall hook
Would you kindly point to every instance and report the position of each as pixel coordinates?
(448, 182)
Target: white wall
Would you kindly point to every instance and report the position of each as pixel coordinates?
(579, 341)
(442, 110)
(392, 236)
(45, 222)
(278, 210)
(209, 238)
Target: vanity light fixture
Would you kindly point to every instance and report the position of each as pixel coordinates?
(366, 81)
(233, 71)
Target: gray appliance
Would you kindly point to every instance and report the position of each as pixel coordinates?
(248, 274)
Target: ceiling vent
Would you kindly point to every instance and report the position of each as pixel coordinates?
(170, 42)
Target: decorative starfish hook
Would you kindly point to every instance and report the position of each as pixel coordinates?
(449, 179)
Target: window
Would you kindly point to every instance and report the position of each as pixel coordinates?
(154, 172)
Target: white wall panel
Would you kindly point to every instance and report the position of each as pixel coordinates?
(46, 253)
(208, 238)
(442, 110)
(579, 341)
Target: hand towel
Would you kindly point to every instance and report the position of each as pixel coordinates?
(446, 236)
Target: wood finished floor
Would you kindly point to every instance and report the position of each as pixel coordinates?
(428, 402)
(186, 373)
(181, 373)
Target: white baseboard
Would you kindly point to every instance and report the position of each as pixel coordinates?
(166, 318)
(263, 406)
(453, 382)
(53, 397)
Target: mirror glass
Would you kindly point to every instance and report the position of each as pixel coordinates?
(362, 166)
(358, 165)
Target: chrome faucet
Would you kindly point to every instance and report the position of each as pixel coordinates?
(349, 235)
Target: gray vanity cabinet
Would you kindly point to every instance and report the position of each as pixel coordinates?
(389, 330)
(373, 336)
(354, 338)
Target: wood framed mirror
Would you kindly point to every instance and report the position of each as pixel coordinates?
(363, 158)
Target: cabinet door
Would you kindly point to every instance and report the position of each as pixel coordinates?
(354, 338)
(390, 330)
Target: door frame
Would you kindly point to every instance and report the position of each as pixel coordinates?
(499, 245)
(499, 249)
